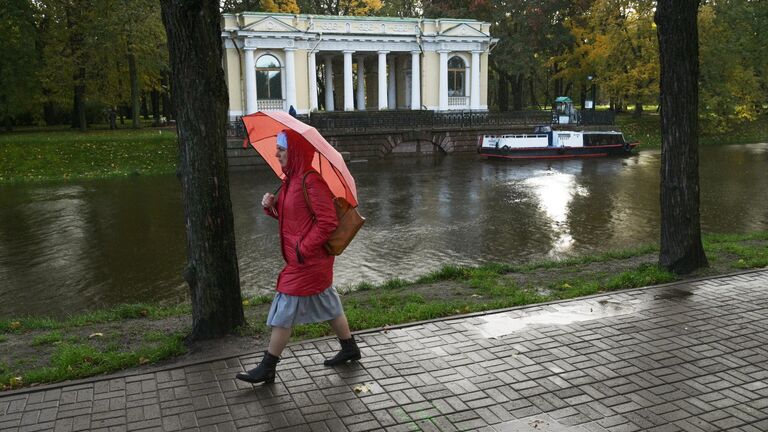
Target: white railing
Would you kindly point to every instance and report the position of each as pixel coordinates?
(458, 100)
(271, 104)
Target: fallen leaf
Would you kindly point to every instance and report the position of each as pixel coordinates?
(361, 388)
(246, 302)
(143, 360)
(93, 335)
(88, 359)
(144, 312)
(15, 325)
(16, 382)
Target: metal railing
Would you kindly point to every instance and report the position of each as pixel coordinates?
(458, 101)
(404, 120)
(271, 104)
(421, 120)
(592, 117)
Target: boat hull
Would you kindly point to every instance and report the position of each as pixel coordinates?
(557, 152)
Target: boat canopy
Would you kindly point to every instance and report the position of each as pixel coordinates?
(564, 99)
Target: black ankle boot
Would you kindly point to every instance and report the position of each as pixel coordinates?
(264, 372)
(349, 351)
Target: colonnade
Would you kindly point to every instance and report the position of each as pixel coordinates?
(386, 80)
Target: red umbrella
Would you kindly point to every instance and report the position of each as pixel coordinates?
(262, 128)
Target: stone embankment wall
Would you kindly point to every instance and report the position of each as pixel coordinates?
(361, 145)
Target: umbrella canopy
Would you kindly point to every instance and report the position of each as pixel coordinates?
(262, 128)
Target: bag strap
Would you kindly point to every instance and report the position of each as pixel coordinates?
(306, 196)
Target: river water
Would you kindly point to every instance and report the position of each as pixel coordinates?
(70, 247)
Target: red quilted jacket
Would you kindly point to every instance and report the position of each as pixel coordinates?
(309, 268)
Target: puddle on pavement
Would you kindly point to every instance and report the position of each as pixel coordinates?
(498, 325)
(672, 294)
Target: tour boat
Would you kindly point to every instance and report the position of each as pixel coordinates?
(547, 143)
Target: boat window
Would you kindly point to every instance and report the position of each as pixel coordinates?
(603, 139)
(268, 80)
(456, 76)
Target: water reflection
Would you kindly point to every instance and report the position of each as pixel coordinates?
(65, 248)
(497, 326)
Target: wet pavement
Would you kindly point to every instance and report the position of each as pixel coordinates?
(682, 357)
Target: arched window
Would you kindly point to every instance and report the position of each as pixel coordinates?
(268, 78)
(456, 76)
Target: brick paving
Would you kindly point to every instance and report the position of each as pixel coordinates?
(682, 357)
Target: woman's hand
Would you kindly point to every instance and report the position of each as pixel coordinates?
(268, 200)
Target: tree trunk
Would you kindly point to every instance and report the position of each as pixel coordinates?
(144, 108)
(532, 92)
(155, 98)
(200, 93)
(681, 250)
(168, 111)
(517, 92)
(503, 92)
(134, 76)
(79, 112)
(638, 110)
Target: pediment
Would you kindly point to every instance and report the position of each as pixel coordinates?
(463, 30)
(270, 24)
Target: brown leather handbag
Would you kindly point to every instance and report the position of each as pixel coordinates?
(350, 221)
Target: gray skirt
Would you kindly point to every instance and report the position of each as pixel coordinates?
(288, 310)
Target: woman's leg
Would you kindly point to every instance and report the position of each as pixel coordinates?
(265, 371)
(340, 326)
(349, 350)
(279, 339)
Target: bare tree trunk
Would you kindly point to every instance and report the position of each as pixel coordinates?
(199, 91)
(681, 249)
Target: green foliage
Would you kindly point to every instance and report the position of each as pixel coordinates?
(19, 89)
(733, 57)
(616, 43)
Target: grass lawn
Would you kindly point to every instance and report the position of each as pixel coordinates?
(59, 155)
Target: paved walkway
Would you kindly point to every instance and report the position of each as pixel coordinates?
(684, 357)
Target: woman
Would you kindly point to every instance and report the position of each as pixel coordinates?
(305, 292)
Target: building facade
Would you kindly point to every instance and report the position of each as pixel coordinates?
(334, 63)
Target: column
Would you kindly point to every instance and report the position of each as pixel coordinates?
(391, 89)
(290, 79)
(349, 103)
(383, 93)
(474, 91)
(312, 82)
(443, 88)
(328, 84)
(251, 99)
(415, 80)
(361, 83)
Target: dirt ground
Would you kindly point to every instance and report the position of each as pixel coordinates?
(18, 349)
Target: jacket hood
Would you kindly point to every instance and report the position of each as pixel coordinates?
(300, 154)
